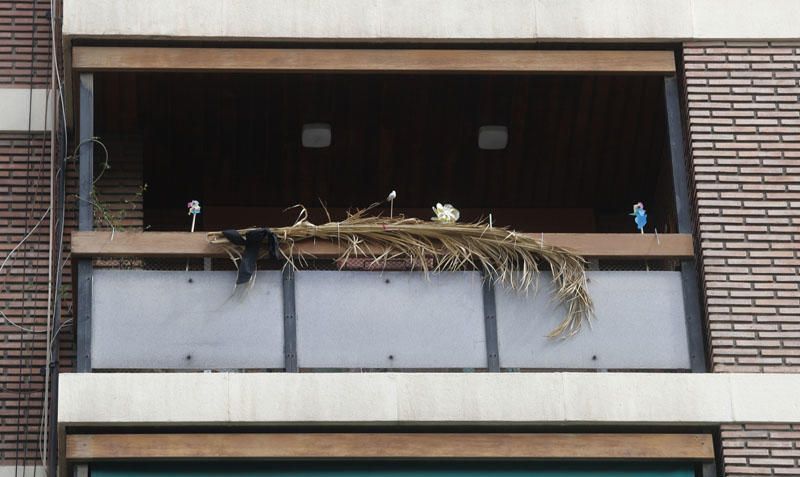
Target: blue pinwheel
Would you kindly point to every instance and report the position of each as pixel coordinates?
(640, 216)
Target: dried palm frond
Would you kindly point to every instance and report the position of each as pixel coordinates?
(509, 258)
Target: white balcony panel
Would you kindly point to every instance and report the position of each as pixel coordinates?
(639, 324)
(185, 320)
(389, 320)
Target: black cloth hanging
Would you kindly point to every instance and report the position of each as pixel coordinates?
(251, 242)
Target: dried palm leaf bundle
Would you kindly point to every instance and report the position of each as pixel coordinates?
(511, 259)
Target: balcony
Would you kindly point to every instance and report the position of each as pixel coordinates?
(151, 313)
(579, 137)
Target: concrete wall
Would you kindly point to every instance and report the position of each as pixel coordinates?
(23, 109)
(426, 398)
(447, 20)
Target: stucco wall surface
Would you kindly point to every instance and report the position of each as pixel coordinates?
(428, 398)
(481, 20)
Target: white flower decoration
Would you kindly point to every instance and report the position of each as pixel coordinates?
(194, 207)
(445, 214)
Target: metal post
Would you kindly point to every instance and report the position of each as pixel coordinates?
(709, 469)
(680, 187)
(86, 164)
(83, 294)
(289, 320)
(490, 322)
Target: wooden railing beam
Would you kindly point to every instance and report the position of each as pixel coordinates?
(329, 60)
(684, 447)
(186, 244)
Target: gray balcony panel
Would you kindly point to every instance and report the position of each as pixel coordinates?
(639, 324)
(389, 320)
(161, 320)
(156, 320)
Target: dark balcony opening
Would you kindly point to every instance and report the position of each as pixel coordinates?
(581, 150)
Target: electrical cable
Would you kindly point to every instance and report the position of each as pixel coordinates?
(55, 83)
(21, 242)
(20, 408)
(59, 178)
(30, 203)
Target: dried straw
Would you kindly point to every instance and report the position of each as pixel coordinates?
(511, 259)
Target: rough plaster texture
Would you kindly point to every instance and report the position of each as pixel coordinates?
(426, 398)
(504, 20)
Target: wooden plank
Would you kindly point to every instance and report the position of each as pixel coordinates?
(106, 58)
(186, 244)
(84, 447)
(144, 244)
(624, 245)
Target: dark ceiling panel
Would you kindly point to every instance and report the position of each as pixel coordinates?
(589, 142)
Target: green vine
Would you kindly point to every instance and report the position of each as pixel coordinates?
(114, 218)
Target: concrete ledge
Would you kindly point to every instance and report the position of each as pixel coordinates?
(16, 102)
(434, 20)
(22, 471)
(136, 399)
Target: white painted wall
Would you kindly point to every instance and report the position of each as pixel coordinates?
(426, 398)
(435, 20)
(15, 103)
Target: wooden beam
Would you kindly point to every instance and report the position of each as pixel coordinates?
(107, 58)
(85, 447)
(186, 244)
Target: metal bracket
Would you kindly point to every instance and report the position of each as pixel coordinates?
(83, 316)
(490, 322)
(289, 320)
(86, 153)
(709, 469)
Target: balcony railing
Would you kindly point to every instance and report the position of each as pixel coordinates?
(133, 318)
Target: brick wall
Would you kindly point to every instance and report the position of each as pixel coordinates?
(744, 136)
(743, 104)
(744, 121)
(24, 198)
(119, 191)
(761, 449)
(20, 22)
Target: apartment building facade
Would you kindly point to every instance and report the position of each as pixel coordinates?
(552, 116)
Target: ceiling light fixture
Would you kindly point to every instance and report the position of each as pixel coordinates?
(316, 135)
(492, 138)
